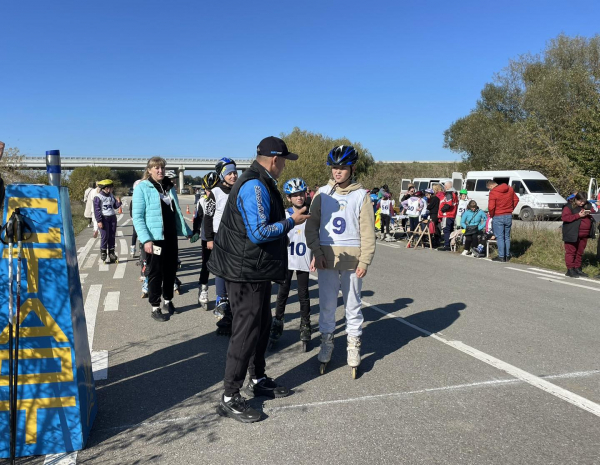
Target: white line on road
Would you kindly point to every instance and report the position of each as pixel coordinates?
(126, 222)
(556, 273)
(124, 248)
(533, 380)
(91, 309)
(119, 233)
(393, 246)
(531, 272)
(69, 458)
(119, 217)
(111, 301)
(82, 277)
(85, 251)
(100, 364)
(554, 280)
(91, 260)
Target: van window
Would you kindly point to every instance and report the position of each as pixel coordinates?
(518, 187)
(502, 180)
(539, 186)
(480, 186)
(423, 185)
(470, 185)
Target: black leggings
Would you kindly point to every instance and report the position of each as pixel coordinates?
(133, 237)
(385, 223)
(471, 241)
(161, 272)
(284, 291)
(204, 271)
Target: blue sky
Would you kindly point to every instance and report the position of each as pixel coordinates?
(210, 79)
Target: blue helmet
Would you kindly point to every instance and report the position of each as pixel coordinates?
(222, 163)
(295, 185)
(342, 155)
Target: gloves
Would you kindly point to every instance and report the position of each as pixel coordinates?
(195, 237)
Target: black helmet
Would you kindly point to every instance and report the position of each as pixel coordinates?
(342, 155)
(210, 180)
(222, 163)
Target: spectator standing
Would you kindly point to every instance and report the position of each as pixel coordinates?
(158, 220)
(413, 207)
(577, 227)
(88, 199)
(501, 204)
(463, 201)
(386, 205)
(410, 191)
(250, 251)
(447, 214)
(433, 206)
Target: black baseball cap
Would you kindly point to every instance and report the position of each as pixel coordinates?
(274, 147)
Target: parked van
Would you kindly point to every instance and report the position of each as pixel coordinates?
(538, 198)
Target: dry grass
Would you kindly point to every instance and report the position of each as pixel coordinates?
(79, 221)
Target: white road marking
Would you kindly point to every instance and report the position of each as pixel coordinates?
(69, 458)
(121, 266)
(124, 248)
(102, 266)
(91, 309)
(119, 217)
(100, 364)
(533, 380)
(494, 382)
(82, 277)
(126, 222)
(555, 280)
(556, 273)
(111, 301)
(81, 256)
(393, 246)
(119, 233)
(527, 271)
(91, 260)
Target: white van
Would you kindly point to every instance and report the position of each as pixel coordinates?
(538, 198)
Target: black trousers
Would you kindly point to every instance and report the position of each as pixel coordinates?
(204, 271)
(133, 237)
(385, 223)
(161, 271)
(251, 308)
(471, 241)
(284, 292)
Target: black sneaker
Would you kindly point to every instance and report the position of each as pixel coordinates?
(238, 409)
(266, 388)
(159, 316)
(499, 259)
(170, 308)
(580, 272)
(572, 273)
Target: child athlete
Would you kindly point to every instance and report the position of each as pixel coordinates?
(341, 235)
(215, 205)
(299, 260)
(105, 205)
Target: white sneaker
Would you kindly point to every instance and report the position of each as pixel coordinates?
(132, 250)
(326, 348)
(465, 252)
(353, 351)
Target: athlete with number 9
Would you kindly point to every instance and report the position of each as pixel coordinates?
(299, 260)
(341, 235)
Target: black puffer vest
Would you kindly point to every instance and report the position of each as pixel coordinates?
(234, 256)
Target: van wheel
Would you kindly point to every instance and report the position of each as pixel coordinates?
(526, 214)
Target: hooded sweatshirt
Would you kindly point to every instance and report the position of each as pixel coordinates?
(502, 201)
(347, 240)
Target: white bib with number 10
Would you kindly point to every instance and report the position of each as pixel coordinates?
(340, 215)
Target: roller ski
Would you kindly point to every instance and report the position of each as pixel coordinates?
(276, 332)
(203, 296)
(354, 354)
(305, 334)
(145, 289)
(325, 351)
(225, 321)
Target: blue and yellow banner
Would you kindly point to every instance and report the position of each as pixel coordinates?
(56, 393)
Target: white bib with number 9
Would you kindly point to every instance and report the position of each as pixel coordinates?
(340, 214)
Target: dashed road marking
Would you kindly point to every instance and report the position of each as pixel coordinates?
(530, 272)
(91, 309)
(82, 277)
(69, 458)
(122, 265)
(119, 233)
(512, 370)
(100, 364)
(126, 222)
(91, 260)
(81, 256)
(111, 301)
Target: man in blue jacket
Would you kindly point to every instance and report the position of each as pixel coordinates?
(249, 252)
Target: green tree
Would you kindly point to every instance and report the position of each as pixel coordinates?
(542, 112)
(80, 179)
(312, 149)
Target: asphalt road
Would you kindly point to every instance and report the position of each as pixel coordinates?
(464, 361)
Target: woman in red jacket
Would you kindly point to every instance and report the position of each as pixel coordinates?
(577, 227)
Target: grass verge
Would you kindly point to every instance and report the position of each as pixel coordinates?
(79, 221)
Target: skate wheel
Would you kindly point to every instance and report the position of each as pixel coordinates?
(322, 368)
(303, 346)
(354, 372)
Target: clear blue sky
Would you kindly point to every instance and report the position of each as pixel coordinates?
(210, 79)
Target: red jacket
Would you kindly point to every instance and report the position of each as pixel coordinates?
(503, 200)
(448, 206)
